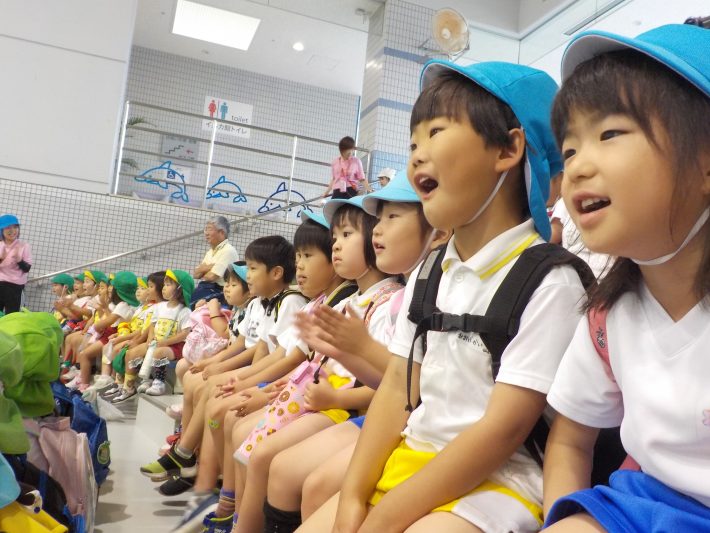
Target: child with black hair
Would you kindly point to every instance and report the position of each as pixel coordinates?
(270, 268)
(632, 120)
(166, 336)
(62, 288)
(149, 294)
(335, 397)
(117, 304)
(442, 448)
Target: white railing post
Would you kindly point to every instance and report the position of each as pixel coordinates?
(209, 162)
(290, 177)
(121, 142)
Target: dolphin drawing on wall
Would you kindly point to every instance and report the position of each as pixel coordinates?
(223, 185)
(165, 177)
(279, 198)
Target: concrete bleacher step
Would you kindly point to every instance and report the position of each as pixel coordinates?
(151, 419)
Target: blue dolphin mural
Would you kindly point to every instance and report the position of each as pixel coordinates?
(279, 198)
(172, 179)
(222, 183)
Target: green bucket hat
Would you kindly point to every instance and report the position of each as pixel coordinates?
(96, 276)
(40, 337)
(125, 284)
(80, 277)
(13, 438)
(64, 279)
(184, 280)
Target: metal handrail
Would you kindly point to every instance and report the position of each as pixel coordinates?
(242, 220)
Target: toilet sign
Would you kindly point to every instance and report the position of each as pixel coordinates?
(227, 110)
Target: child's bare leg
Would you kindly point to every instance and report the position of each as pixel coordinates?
(181, 369)
(578, 523)
(251, 514)
(132, 373)
(85, 358)
(292, 467)
(448, 522)
(323, 519)
(314, 495)
(191, 383)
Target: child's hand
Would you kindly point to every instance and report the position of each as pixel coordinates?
(215, 307)
(226, 389)
(208, 371)
(199, 366)
(347, 332)
(112, 336)
(253, 400)
(199, 303)
(279, 384)
(351, 514)
(319, 396)
(314, 336)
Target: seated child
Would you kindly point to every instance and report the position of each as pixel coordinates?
(442, 448)
(62, 288)
(632, 120)
(121, 297)
(166, 336)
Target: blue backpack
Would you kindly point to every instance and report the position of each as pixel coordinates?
(85, 420)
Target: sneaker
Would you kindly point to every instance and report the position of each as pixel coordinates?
(75, 382)
(126, 394)
(176, 485)
(144, 386)
(174, 411)
(197, 507)
(102, 383)
(170, 464)
(70, 374)
(112, 391)
(215, 524)
(158, 388)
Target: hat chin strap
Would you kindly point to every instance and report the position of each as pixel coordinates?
(702, 219)
(485, 205)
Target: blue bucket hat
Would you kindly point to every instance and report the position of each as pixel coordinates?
(398, 190)
(239, 270)
(8, 220)
(677, 46)
(529, 92)
(315, 217)
(332, 206)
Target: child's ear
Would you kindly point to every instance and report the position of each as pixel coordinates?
(705, 162)
(277, 273)
(510, 156)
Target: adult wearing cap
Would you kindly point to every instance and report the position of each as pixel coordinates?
(15, 263)
(211, 270)
(385, 176)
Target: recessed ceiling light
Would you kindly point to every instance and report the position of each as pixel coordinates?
(214, 25)
(298, 46)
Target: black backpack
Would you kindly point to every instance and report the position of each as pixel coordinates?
(502, 319)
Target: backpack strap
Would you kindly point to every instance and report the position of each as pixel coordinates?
(275, 303)
(344, 290)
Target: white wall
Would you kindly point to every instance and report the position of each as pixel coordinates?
(64, 67)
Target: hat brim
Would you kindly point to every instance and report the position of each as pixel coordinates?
(372, 200)
(333, 205)
(315, 217)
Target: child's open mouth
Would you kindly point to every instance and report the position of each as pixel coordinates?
(426, 184)
(589, 205)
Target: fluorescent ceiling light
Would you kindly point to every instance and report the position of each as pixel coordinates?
(214, 25)
(298, 46)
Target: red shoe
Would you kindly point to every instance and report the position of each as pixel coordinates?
(172, 439)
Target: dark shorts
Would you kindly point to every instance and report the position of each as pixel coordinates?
(347, 193)
(106, 334)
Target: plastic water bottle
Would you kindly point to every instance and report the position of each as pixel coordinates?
(147, 365)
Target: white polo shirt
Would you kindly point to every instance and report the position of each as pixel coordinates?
(659, 388)
(250, 326)
(271, 328)
(456, 380)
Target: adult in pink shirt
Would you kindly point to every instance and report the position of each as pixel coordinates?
(346, 172)
(15, 263)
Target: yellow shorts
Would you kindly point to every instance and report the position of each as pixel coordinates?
(338, 416)
(405, 462)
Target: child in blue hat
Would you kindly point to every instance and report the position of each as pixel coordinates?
(633, 119)
(15, 263)
(482, 154)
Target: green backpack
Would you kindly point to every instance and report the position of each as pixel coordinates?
(40, 338)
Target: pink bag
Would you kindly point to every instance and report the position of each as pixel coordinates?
(289, 404)
(203, 341)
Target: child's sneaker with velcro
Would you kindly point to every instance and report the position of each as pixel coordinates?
(170, 464)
